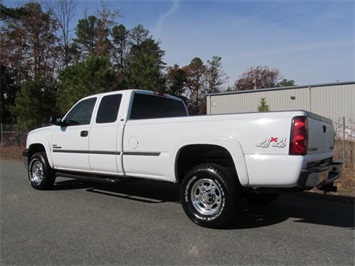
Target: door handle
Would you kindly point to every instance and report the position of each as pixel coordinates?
(84, 133)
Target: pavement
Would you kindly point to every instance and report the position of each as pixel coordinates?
(143, 223)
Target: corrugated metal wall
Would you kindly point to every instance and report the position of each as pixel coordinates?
(334, 100)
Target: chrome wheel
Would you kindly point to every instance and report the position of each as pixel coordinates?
(37, 172)
(206, 197)
(40, 174)
(210, 195)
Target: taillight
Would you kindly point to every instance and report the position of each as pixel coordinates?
(299, 136)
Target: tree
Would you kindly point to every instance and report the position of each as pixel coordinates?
(286, 83)
(7, 13)
(93, 33)
(63, 11)
(8, 95)
(257, 78)
(144, 67)
(196, 84)
(120, 46)
(34, 104)
(175, 81)
(87, 39)
(107, 18)
(29, 45)
(263, 107)
(137, 58)
(28, 57)
(95, 75)
(138, 34)
(202, 79)
(215, 74)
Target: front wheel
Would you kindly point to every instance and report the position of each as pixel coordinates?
(210, 195)
(40, 174)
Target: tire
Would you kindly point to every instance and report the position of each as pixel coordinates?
(210, 196)
(260, 198)
(40, 174)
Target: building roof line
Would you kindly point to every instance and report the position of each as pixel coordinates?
(283, 88)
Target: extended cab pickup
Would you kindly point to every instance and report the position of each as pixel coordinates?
(217, 159)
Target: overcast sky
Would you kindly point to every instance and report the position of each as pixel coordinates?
(310, 42)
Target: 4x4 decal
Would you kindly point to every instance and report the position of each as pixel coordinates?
(273, 142)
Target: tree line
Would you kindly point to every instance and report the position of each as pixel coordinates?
(46, 66)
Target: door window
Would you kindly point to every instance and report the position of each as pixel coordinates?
(81, 113)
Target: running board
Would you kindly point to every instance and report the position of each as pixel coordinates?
(91, 177)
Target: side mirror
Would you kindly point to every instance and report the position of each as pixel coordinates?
(56, 120)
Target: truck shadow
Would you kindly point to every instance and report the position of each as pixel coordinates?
(137, 190)
(300, 207)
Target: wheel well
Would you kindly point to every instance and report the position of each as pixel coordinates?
(35, 148)
(192, 155)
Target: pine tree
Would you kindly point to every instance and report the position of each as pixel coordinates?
(95, 75)
(263, 107)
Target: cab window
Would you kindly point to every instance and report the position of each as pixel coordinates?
(149, 106)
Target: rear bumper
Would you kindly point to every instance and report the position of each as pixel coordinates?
(320, 176)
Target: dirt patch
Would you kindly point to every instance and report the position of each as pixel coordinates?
(345, 184)
(10, 152)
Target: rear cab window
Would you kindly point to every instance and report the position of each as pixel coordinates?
(146, 106)
(108, 109)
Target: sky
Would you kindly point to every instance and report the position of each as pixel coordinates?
(309, 41)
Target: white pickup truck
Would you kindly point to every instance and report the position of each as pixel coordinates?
(217, 159)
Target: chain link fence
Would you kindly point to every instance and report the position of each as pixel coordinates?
(11, 136)
(344, 148)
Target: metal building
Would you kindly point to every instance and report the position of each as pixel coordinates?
(334, 100)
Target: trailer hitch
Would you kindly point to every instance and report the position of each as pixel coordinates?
(328, 187)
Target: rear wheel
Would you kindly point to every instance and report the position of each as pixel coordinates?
(40, 174)
(210, 195)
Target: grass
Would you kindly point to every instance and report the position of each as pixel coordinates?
(345, 184)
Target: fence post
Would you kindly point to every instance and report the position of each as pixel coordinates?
(344, 139)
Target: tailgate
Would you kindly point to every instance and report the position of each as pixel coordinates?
(321, 134)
